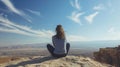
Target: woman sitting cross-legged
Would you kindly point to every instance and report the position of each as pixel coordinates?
(59, 48)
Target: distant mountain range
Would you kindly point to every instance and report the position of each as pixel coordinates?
(76, 45)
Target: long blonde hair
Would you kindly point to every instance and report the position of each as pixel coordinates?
(60, 32)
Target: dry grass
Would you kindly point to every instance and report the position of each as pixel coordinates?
(7, 59)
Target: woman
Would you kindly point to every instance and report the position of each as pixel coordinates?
(60, 48)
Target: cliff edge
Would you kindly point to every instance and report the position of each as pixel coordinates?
(109, 55)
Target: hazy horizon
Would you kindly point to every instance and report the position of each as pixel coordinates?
(29, 22)
(86, 45)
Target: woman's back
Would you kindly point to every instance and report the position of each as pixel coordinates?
(60, 45)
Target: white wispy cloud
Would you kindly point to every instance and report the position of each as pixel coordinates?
(112, 34)
(11, 27)
(75, 4)
(99, 7)
(76, 17)
(2, 29)
(90, 17)
(111, 30)
(13, 9)
(34, 12)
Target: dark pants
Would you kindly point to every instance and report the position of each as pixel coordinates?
(51, 50)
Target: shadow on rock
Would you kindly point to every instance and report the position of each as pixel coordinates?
(33, 61)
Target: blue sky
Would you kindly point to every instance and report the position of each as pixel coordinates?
(28, 21)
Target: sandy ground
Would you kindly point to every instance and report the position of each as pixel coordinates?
(48, 61)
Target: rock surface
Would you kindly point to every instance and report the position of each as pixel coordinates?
(68, 61)
(109, 55)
